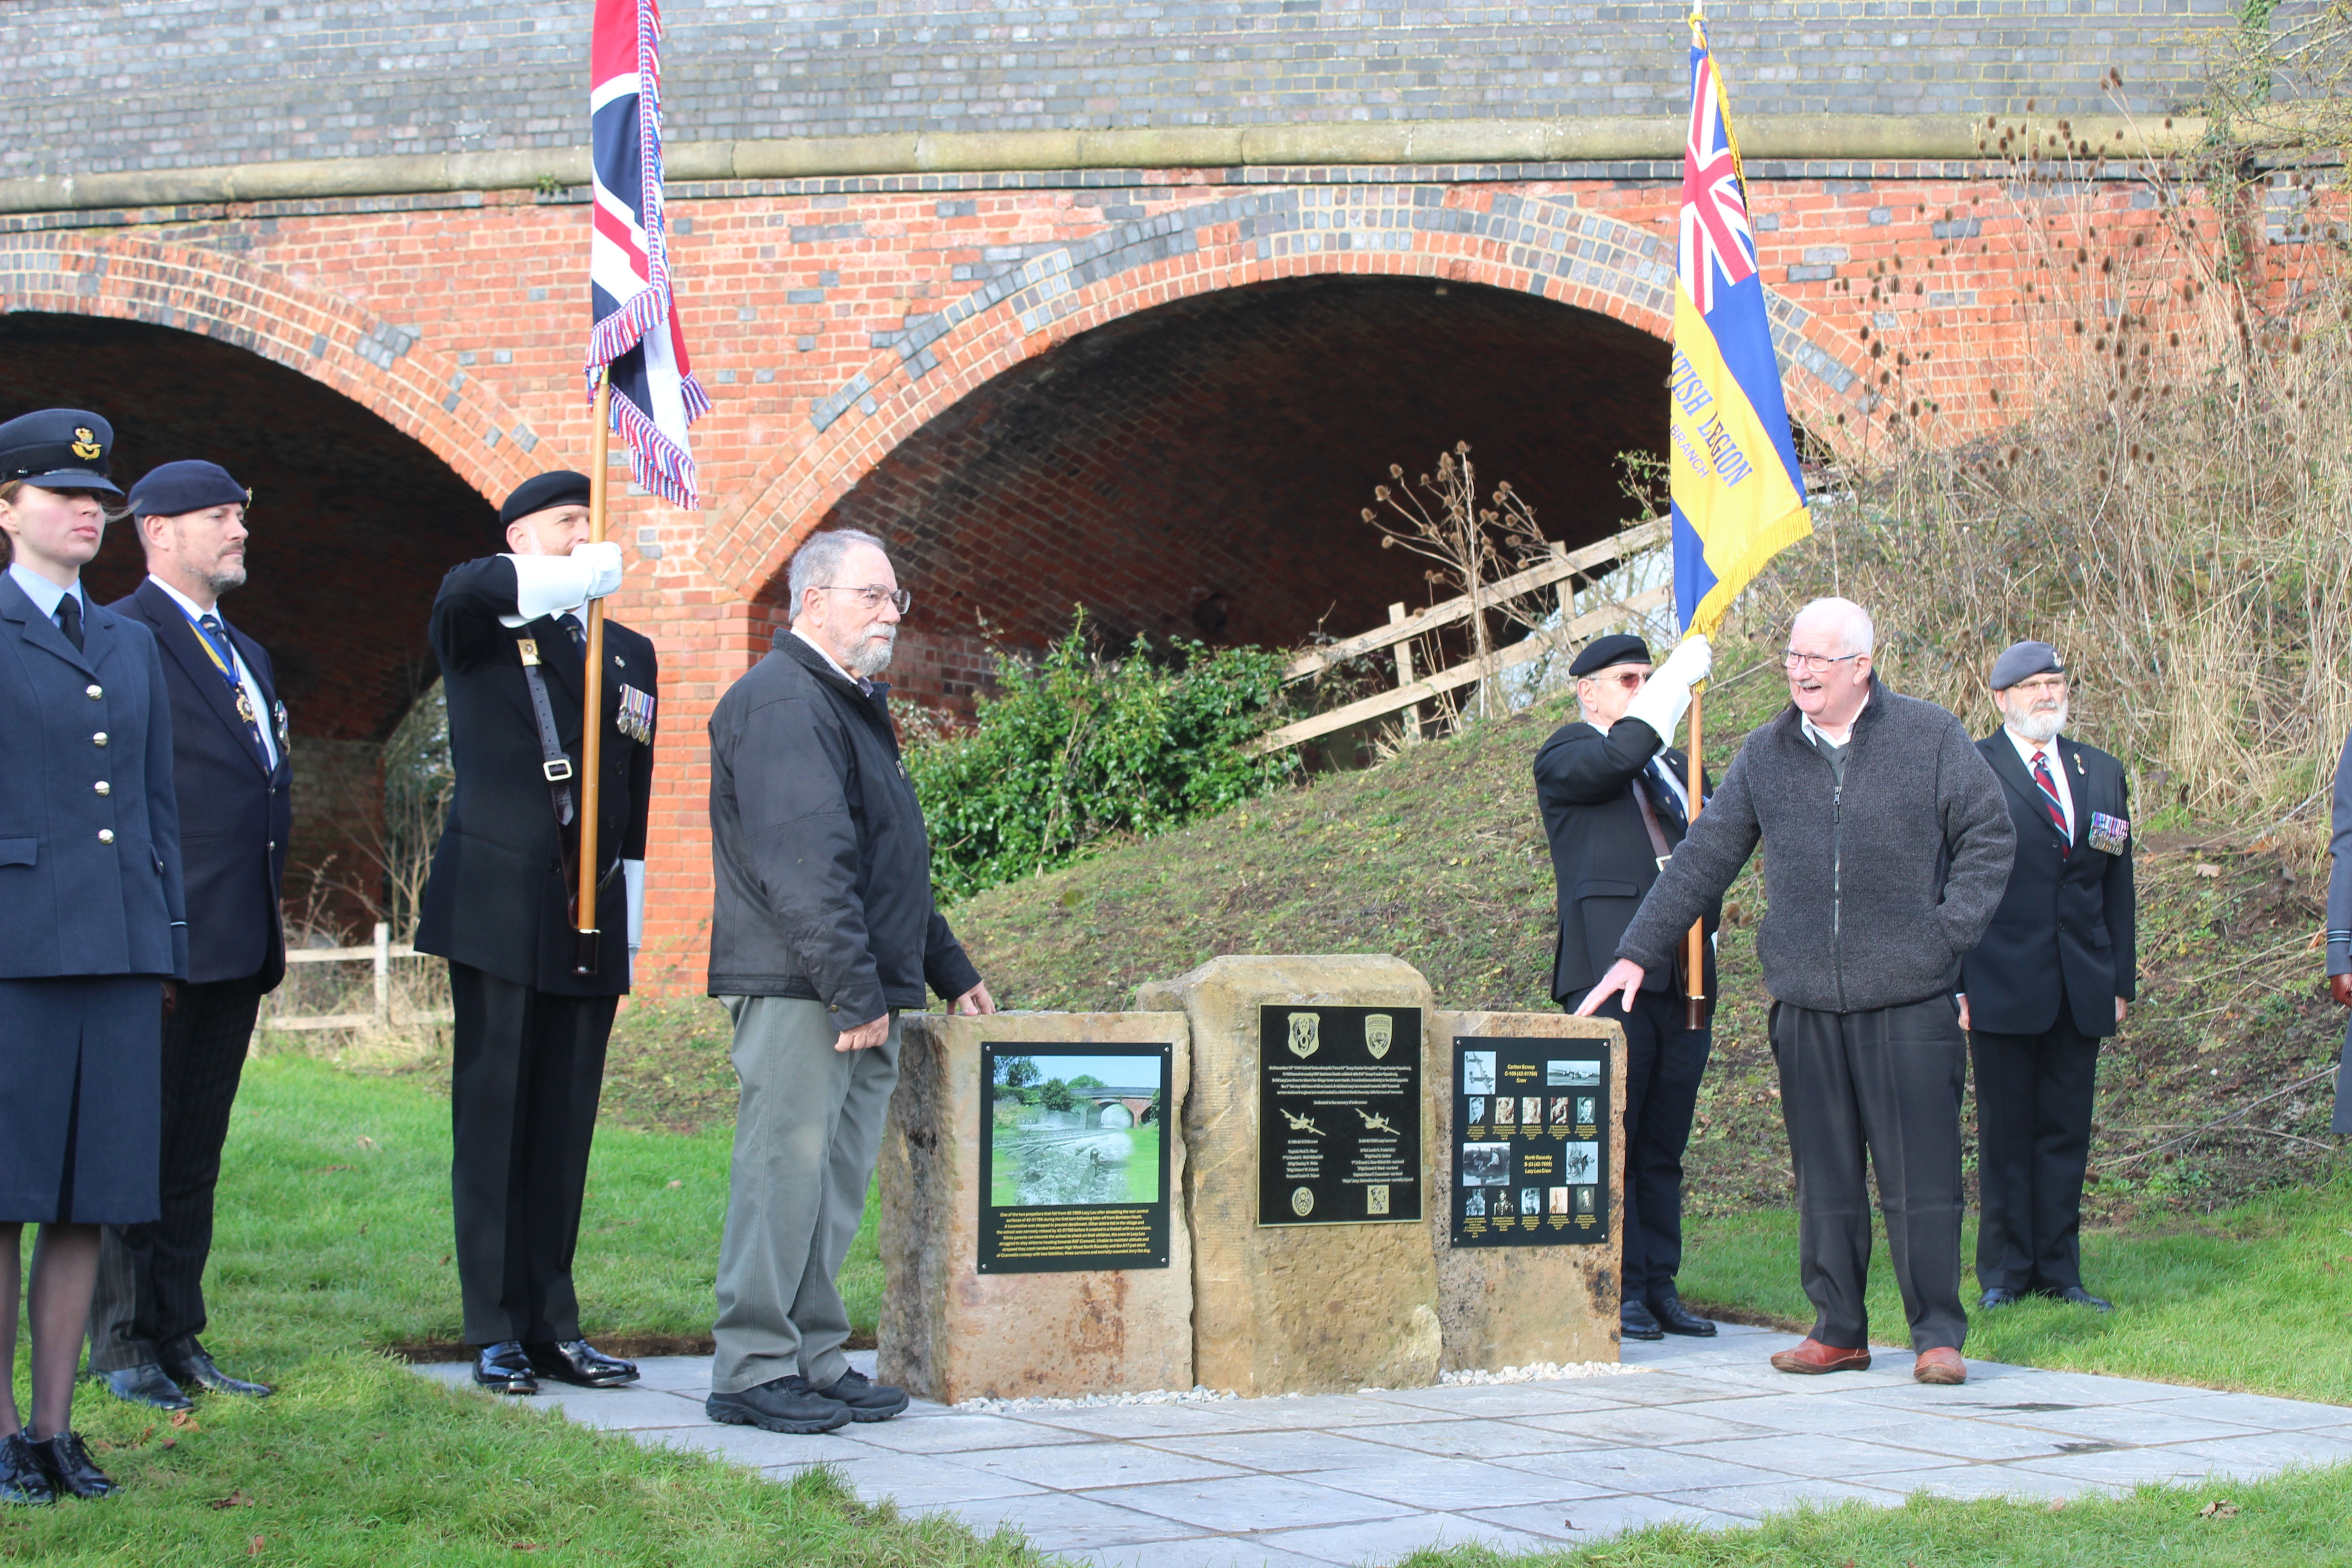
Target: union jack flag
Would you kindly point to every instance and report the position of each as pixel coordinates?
(1716, 243)
(635, 341)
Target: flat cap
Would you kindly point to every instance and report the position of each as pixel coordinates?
(562, 488)
(1623, 647)
(58, 449)
(189, 484)
(2022, 661)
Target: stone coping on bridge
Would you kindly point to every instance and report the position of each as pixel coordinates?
(1597, 139)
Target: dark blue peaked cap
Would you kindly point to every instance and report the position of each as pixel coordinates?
(1602, 652)
(58, 449)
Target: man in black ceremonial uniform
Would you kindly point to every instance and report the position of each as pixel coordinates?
(234, 777)
(2049, 980)
(509, 631)
(1615, 805)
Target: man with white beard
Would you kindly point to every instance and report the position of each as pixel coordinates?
(2049, 980)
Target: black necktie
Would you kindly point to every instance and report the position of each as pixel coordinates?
(218, 633)
(69, 619)
(579, 632)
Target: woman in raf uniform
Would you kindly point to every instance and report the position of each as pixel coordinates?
(92, 929)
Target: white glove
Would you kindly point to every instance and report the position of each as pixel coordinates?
(1665, 697)
(633, 874)
(550, 584)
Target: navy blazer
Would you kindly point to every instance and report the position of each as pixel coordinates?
(499, 898)
(90, 825)
(236, 810)
(2067, 924)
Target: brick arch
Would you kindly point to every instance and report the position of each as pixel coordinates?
(383, 367)
(1543, 245)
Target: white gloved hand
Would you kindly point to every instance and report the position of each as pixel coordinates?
(1665, 697)
(604, 561)
(632, 875)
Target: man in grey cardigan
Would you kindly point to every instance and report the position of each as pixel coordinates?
(1887, 847)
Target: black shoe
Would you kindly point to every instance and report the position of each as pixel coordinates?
(23, 1479)
(867, 1400)
(2076, 1296)
(66, 1459)
(504, 1368)
(1999, 1296)
(146, 1384)
(1677, 1319)
(204, 1372)
(785, 1405)
(580, 1363)
(1634, 1321)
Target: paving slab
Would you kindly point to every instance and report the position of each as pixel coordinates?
(1704, 1433)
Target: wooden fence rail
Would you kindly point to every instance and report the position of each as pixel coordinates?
(1411, 692)
(380, 953)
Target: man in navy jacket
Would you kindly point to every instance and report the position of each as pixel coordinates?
(234, 779)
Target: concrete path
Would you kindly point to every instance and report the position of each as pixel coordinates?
(1708, 1434)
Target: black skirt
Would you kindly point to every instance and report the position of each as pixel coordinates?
(82, 1121)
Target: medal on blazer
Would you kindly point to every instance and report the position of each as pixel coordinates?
(635, 717)
(2108, 833)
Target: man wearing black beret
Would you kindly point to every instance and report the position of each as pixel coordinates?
(232, 772)
(1614, 802)
(2049, 980)
(529, 1047)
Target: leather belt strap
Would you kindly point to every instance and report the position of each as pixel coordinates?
(555, 765)
(1658, 847)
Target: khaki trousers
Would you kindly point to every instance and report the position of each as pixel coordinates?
(808, 1128)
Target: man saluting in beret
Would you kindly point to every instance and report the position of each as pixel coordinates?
(509, 631)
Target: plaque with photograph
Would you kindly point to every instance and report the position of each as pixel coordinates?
(1338, 1115)
(1530, 1150)
(1074, 1157)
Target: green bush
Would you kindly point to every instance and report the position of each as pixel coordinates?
(1077, 746)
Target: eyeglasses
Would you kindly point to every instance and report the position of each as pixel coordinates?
(2042, 685)
(875, 595)
(1631, 679)
(1814, 662)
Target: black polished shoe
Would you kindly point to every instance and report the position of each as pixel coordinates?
(1677, 1319)
(1999, 1296)
(784, 1404)
(201, 1370)
(23, 1477)
(867, 1400)
(146, 1384)
(66, 1459)
(1634, 1321)
(505, 1368)
(2075, 1295)
(578, 1363)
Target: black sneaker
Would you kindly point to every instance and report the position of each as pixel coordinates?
(867, 1400)
(784, 1404)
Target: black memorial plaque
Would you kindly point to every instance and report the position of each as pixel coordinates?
(1338, 1107)
(1073, 1156)
(1530, 1141)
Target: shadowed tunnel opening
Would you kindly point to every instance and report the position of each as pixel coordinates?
(1200, 470)
(353, 524)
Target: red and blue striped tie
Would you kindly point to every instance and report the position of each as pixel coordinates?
(2050, 799)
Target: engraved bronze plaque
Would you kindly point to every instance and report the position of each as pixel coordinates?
(1338, 1115)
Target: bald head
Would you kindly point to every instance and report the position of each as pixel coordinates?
(1847, 624)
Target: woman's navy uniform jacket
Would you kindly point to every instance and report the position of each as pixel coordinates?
(90, 822)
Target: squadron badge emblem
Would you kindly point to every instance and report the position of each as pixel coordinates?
(1306, 1034)
(1379, 1032)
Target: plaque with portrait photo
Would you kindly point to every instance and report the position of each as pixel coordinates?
(1530, 1147)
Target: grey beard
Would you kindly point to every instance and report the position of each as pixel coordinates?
(873, 654)
(222, 581)
(2039, 728)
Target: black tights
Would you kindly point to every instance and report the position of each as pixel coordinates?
(65, 1269)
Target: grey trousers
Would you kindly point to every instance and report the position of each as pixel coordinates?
(808, 1128)
(1886, 1082)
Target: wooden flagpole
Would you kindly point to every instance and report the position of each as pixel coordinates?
(1696, 990)
(592, 729)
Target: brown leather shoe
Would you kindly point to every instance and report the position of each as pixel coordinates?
(1941, 1365)
(1814, 1356)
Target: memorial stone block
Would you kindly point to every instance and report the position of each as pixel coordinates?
(1032, 1226)
(1524, 1279)
(1280, 1306)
